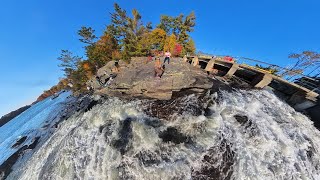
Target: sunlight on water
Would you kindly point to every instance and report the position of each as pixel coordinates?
(246, 135)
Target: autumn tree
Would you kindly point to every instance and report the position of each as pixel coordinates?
(77, 71)
(157, 38)
(170, 43)
(177, 50)
(151, 42)
(180, 26)
(101, 51)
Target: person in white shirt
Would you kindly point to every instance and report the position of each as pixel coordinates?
(167, 57)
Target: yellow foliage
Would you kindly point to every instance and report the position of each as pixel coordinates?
(170, 43)
(150, 41)
(101, 52)
(158, 38)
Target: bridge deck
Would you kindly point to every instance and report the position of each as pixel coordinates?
(309, 93)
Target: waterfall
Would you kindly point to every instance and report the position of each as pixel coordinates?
(225, 135)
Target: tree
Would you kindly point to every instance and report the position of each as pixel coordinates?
(180, 26)
(151, 42)
(77, 71)
(187, 26)
(307, 60)
(189, 47)
(87, 35)
(69, 62)
(177, 49)
(157, 38)
(170, 43)
(101, 52)
(128, 31)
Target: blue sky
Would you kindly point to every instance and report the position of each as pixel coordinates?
(33, 33)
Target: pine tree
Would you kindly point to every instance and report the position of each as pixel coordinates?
(69, 62)
(87, 35)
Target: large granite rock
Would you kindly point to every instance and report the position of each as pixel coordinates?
(137, 80)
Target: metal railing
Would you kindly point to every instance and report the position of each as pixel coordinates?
(292, 76)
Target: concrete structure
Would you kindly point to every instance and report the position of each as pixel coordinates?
(232, 70)
(300, 97)
(265, 81)
(195, 61)
(209, 65)
(185, 59)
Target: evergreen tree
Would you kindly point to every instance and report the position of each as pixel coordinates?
(180, 26)
(128, 31)
(87, 35)
(69, 62)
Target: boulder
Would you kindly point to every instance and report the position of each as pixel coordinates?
(137, 80)
(104, 73)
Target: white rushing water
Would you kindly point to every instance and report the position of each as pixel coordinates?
(29, 122)
(246, 135)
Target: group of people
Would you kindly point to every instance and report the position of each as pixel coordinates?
(160, 68)
(107, 78)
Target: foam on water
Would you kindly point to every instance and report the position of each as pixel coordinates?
(24, 124)
(248, 135)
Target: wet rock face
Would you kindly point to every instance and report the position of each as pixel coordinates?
(19, 141)
(6, 167)
(149, 158)
(166, 109)
(241, 119)
(248, 127)
(125, 135)
(171, 134)
(137, 80)
(223, 154)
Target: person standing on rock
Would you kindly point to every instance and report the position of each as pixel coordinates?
(167, 57)
(158, 70)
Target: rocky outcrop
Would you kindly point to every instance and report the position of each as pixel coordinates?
(137, 80)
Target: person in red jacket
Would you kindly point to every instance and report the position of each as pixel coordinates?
(228, 58)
